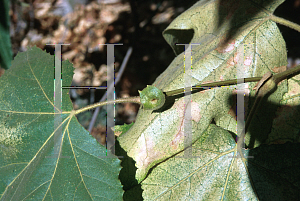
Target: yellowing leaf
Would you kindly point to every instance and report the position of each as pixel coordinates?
(213, 173)
(286, 124)
(228, 37)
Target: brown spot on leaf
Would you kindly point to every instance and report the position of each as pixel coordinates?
(181, 109)
(196, 113)
(232, 112)
(179, 137)
(146, 152)
(233, 60)
(295, 89)
(279, 69)
(223, 48)
(248, 61)
(230, 62)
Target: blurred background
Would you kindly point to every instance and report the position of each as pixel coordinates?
(84, 24)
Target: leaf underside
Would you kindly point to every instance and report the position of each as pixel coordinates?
(229, 37)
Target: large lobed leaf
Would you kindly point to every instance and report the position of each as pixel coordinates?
(221, 29)
(29, 170)
(214, 174)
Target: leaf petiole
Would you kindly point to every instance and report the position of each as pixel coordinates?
(285, 22)
(135, 99)
(268, 85)
(276, 79)
(215, 84)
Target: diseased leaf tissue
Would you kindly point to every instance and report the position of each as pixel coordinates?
(253, 45)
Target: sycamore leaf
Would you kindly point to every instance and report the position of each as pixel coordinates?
(251, 41)
(29, 168)
(212, 173)
(286, 124)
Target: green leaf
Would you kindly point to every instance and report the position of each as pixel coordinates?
(28, 167)
(119, 130)
(5, 50)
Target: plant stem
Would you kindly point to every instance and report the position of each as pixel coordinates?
(268, 86)
(283, 75)
(215, 84)
(285, 22)
(276, 78)
(135, 99)
(110, 88)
